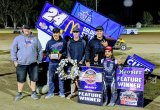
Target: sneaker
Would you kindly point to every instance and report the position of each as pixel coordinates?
(49, 95)
(111, 104)
(105, 103)
(70, 95)
(18, 97)
(62, 95)
(34, 96)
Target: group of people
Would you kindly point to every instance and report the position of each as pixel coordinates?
(26, 53)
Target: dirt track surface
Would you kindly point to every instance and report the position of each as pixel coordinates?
(145, 44)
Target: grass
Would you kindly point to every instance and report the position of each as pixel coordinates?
(3, 52)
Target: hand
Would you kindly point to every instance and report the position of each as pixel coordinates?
(119, 61)
(59, 56)
(38, 62)
(104, 43)
(15, 63)
(96, 58)
(80, 62)
(88, 64)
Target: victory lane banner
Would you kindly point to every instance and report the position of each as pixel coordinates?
(52, 16)
(90, 89)
(130, 81)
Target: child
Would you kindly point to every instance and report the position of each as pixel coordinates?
(110, 64)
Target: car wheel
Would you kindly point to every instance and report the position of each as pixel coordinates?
(123, 47)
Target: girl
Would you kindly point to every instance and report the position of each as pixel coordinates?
(110, 65)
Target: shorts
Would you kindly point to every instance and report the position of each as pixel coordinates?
(22, 70)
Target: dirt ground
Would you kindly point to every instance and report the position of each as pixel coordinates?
(145, 45)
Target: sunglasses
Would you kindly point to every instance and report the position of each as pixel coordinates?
(75, 31)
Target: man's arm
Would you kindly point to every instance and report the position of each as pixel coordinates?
(87, 54)
(39, 51)
(13, 51)
(68, 50)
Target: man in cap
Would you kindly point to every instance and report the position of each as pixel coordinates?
(75, 51)
(26, 53)
(96, 48)
(56, 50)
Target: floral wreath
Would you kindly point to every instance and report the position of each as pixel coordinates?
(74, 69)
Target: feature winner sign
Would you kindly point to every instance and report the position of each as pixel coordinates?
(91, 86)
(130, 80)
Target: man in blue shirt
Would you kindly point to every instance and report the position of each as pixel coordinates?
(56, 50)
(76, 51)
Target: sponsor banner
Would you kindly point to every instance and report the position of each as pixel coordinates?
(91, 79)
(137, 62)
(89, 16)
(93, 98)
(145, 62)
(130, 78)
(130, 31)
(131, 98)
(52, 16)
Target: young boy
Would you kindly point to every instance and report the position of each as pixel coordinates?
(110, 65)
(76, 51)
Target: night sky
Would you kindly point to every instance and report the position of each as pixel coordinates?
(129, 15)
(115, 10)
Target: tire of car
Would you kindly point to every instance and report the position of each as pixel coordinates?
(123, 46)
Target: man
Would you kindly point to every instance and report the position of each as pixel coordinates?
(56, 50)
(26, 53)
(75, 51)
(96, 48)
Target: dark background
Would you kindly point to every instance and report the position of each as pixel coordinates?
(115, 10)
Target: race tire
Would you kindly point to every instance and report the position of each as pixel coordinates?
(123, 46)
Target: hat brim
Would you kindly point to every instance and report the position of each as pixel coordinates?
(99, 29)
(75, 31)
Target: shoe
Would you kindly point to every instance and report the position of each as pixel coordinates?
(34, 96)
(70, 95)
(105, 103)
(62, 95)
(49, 95)
(111, 104)
(18, 97)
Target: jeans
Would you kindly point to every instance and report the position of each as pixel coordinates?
(52, 68)
(22, 70)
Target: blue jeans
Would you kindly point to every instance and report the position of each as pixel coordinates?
(110, 88)
(52, 69)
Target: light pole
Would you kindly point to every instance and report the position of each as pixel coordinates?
(96, 5)
(53, 2)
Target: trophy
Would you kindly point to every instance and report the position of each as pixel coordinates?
(54, 54)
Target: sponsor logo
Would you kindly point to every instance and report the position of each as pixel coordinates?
(90, 76)
(128, 98)
(73, 25)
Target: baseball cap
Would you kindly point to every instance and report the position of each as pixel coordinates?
(109, 48)
(99, 28)
(56, 30)
(75, 29)
(25, 26)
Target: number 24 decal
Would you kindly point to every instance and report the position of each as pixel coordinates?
(53, 15)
